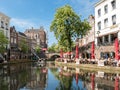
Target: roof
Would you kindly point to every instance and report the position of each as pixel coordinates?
(99, 2)
(4, 15)
(34, 30)
(22, 34)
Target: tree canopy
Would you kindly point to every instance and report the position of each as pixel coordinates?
(3, 42)
(67, 26)
(24, 46)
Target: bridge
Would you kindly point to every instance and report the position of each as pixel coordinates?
(52, 56)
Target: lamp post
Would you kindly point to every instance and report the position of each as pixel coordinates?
(98, 32)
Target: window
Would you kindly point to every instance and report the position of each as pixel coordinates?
(99, 12)
(106, 22)
(114, 19)
(106, 9)
(106, 38)
(15, 40)
(99, 25)
(99, 40)
(11, 40)
(2, 24)
(113, 4)
(6, 26)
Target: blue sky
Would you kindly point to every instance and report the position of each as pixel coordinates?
(25, 14)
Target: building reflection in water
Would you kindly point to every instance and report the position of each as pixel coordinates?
(27, 76)
(17, 77)
(90, 80)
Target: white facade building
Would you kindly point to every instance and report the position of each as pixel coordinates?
(107, 25)
(5, 25)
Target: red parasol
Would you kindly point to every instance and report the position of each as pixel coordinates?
(116, 83)
(61, 53)
(93, 81)
(116, 49)
(77, 51)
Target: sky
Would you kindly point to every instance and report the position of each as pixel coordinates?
(26, 14)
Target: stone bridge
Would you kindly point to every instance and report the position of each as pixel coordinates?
(52, 55)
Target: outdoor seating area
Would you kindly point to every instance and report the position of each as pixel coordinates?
(99, 62)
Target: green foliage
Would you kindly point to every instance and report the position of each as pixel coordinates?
(53, 48)
(37, 48)
(67, 26)
(3, 42)
(82, 29)
(24, 46)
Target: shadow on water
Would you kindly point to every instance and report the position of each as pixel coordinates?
(29, 76)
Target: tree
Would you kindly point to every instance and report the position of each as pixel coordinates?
(53, 48)
(37, 49)
(67, 25)
(3, 42)
(83, 29)
(24, 46)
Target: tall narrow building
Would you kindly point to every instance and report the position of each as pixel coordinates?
(4, 26)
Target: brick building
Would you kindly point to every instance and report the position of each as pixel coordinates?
(38, 35)
(86, 42)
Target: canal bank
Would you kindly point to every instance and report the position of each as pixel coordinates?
(17, 61)
(90, 67)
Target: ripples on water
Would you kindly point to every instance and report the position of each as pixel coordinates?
(29, 76)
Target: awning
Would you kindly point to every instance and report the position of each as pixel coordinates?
(44, 49)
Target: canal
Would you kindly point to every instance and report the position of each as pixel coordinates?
(30, 76)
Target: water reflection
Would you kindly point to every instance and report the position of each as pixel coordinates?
(28, 76)
(17, 77)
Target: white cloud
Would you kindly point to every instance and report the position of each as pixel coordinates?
(22, 24)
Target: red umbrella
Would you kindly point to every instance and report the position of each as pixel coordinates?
(92, 50)
(76, 78)
(116, 83)
(116, 49)
(77, 51)
(61, 53)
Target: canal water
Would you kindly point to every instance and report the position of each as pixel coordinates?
(30, 76)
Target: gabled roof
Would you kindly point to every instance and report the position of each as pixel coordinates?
(22, 34)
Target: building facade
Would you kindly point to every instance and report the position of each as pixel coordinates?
(24, 46)
(86, 42)
(38, 35)
(14, 50)
(5, 25)
(107, 27)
